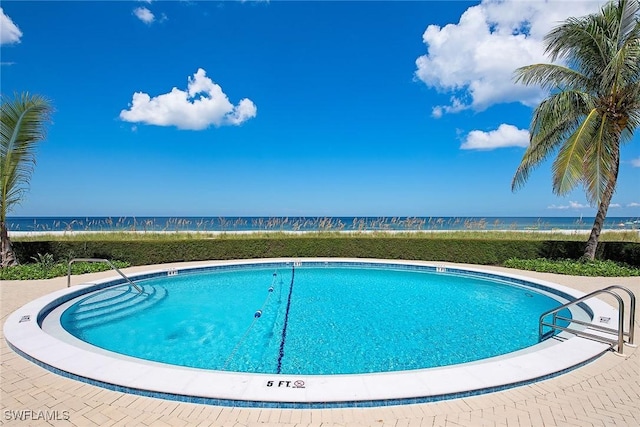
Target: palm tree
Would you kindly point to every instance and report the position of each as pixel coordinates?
(593, 106)
(22, 121)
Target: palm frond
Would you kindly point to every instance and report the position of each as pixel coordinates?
(551, 76)
(554, 120)
(568, 166)
(599, 162)
(559, 115)
(628, 26)
(623, 67)
(22, 126)
(631, 98)
(579, 41)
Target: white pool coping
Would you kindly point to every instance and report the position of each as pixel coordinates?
(57, 352)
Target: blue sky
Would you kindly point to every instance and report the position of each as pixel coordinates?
(288, 108)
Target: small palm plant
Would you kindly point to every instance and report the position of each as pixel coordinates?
(22, 126)
(593, 106)
(44, 261)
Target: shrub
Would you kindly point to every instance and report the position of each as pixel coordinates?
(137, 250)
(599, 268)
(39, 270)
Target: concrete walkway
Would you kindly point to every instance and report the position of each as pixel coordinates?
(603, 393)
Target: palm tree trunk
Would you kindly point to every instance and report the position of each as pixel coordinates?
(7, 256)
(592, 243)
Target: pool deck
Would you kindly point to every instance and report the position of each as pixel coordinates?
(603, 393)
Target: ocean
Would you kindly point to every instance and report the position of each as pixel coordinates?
(247, 224)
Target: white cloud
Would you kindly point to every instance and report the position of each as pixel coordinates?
(614, 205)
(572, 205)
(202, 105)
(633, 205)
(635, 162)
(9, 32)
(505, 136)
(145, 15)
(456, 106)
(475, 59)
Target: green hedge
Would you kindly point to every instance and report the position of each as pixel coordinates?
(473, 251)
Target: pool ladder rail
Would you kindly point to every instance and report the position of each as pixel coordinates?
(106, 261)
(606, 334)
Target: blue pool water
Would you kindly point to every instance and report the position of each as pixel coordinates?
(328, 320)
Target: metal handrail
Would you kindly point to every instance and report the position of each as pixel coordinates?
(607, 290)
(99, 260)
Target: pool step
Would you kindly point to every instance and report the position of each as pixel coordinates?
(106, 298)
(113, 304)
(604, 335)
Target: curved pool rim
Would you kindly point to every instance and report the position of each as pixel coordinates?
(34, 331)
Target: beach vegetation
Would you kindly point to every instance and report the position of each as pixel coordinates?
(524, 251)
(592, 108)
(204, 226)
(480, 249)
(44, 261)
(22, 126)
(599, 268)
(473, 234)
(39, 270)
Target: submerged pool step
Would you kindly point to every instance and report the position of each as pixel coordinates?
(126, 304)
(107, 298)
(111, 299)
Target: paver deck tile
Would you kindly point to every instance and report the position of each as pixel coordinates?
(612, 414)
(473, 403)
(411, 411)
(81, 421)
(125, 422)
(244, 416)
(578, 409)
(189, 410)
(296, 417)
(274, 416)
(440, 420)
(226, 414)
(112, 413)
(198, 412)
(96, 416)
(170, 408)
(414, 422)
(125, 400)
(201, 423)
(398, 412)
(524, 420)
(130, 412)
(160, 422)
(211, 413)
(631, 408)
(622, 409)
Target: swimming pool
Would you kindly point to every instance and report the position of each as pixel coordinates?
(235, 354)
(311, 320)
